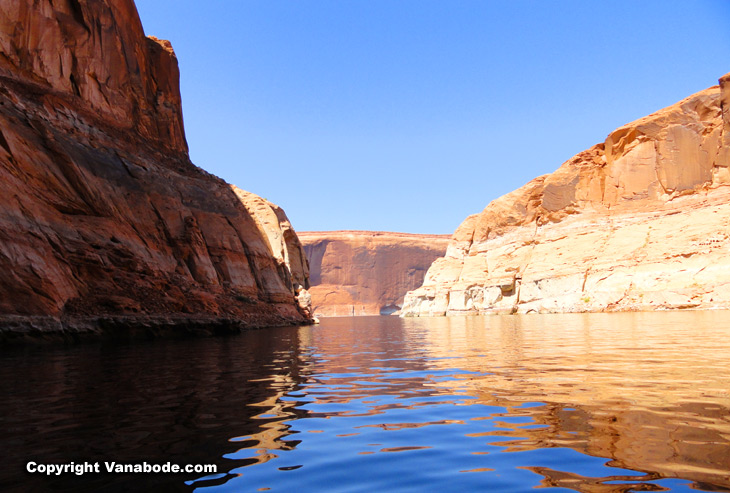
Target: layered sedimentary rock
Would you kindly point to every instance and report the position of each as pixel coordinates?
(366, 272)
(102, 214)
(641, 221)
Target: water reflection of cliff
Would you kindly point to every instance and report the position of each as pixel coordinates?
(650, 392)
(329, 360)
(178, 401)
(491, 396)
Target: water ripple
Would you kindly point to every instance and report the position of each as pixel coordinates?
(591, 403)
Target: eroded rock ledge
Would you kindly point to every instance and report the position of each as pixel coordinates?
(102, 215)
(639, 222)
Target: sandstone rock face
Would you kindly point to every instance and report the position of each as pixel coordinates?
(365, 272)
(97, 51)
(641, 221)
(101, 211)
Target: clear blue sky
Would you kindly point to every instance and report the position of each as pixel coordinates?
(409, 115)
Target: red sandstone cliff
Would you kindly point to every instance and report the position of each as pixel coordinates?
(366, 272)
(102, 214)
(641, 221)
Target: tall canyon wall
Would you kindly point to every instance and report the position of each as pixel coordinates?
(366, 272)
(104, 221)
(641, 221)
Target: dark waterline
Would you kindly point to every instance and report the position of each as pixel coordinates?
(594, 403)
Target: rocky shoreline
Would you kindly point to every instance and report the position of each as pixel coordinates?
(40, 330)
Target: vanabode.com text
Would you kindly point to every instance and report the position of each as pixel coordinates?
(114, 467)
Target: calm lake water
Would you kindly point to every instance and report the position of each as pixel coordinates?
(586, 402)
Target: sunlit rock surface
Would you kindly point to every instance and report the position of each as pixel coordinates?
(102, 214)
(366, 272)
(641, 221)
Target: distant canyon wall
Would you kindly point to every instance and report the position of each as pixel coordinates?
(366, 272)
(102, 214)
(638, 222)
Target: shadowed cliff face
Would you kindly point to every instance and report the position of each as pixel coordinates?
(365, 272)
(101, 211)
(637, 222)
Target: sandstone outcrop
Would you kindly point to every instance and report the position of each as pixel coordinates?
(639, 222)
(366, 272)
(102, 214)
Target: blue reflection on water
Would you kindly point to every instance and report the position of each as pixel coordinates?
(592, 403)
(399, 418)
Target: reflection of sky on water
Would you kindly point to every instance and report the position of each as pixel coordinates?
(595, 403)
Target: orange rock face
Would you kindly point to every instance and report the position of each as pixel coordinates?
(641, 221)
(102, 214)
(365, 272)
